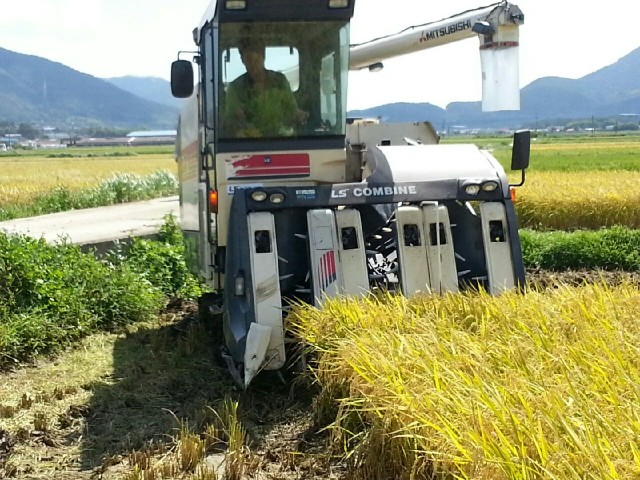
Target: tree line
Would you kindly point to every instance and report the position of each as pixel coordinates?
(32, 131)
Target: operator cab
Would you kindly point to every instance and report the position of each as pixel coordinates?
(273, 73)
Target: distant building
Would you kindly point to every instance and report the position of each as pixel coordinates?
(133, 139)
(153, 133)
(11, 139)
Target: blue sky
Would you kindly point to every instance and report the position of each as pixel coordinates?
(108, 38)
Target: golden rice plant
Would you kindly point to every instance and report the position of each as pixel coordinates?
(24, 178)
(191, 449)
(579, 200)
(235, 436)
(185, 460)
(544, 385)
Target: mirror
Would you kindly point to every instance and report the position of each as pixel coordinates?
(181, 79)
(521, 150)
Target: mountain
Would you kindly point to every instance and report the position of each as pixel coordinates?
(37, 90)
(403, 112)
(153, 89)
(616, 83)
(610, 91)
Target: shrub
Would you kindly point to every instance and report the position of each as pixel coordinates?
(616, 248)
(162, 262)
(51, 295)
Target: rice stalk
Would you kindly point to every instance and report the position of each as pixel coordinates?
(542, 385)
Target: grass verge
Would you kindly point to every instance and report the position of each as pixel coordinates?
(52, 295)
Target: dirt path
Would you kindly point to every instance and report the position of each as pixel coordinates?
(97, 226)
(118, 401)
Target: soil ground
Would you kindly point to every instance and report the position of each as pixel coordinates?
(91, 411)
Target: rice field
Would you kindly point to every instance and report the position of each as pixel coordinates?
(586, 183)
(469, 386)
(29, 175)
(542, 385)
(559, 200)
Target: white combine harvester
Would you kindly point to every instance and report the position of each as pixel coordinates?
(275, 212)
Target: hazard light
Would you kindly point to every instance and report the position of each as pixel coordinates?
(213, 201)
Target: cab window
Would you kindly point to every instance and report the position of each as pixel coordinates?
(282, 80)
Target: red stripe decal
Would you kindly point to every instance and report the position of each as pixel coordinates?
(335, 270)
(272, 171)
(275, 164)
(327, 273)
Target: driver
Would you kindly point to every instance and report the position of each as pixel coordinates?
(259, 103)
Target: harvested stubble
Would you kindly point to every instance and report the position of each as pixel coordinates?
(579, 200)
(542, 385)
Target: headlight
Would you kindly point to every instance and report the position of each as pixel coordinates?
(259, 196)
(276, 198)
(238, 285)
(472, 189)
(490, 186)
(236, 4)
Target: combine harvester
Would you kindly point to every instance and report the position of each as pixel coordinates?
(276, 210)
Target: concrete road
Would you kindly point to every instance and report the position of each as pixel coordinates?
(97, 226)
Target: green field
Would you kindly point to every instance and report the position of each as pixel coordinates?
(568, 153)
